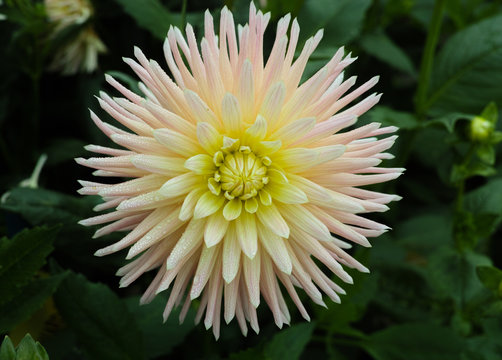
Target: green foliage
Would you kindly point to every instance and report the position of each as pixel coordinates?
(21, 257)
(159, 337)
(289, 343)
(40, 206)
(341, 20)
(379, 45)
(27, 349)
(469, 67)
(491, 277)
(99, 319)
(151, 15)
(24, 304)
(415, 341)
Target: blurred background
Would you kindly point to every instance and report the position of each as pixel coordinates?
(435, 287)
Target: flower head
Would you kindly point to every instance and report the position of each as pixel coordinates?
(81, 52)
(240, 172)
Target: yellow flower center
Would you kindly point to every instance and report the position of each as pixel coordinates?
(240, 173)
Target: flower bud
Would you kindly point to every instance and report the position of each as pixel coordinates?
(480, 129)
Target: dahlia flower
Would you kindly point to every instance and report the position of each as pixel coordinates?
(240, 172)
(81, 52)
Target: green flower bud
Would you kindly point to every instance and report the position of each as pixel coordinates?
(481, 129)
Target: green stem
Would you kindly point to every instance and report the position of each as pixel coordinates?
(428, 57)
(184, 14)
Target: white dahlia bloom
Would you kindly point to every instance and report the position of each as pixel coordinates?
(240, 173)
(81, 52)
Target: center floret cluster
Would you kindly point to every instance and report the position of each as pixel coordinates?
(240, 174)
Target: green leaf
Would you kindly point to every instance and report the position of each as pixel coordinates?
(486, 199)
(491, 277)
(290, 343)
(468, 71)
(40, 206)
(282, 7)
(453, 274)
(379, 45)
(388, 117)
(28, 349)
(449, 121)
(102, 322)
(248, 354)
(416, 341)
(7, 349)
(61, 150)
(21, 257)
(490, 112)
(151, 15)
(461, 172)
(32, 297)
(342, 20)
(426, 232)
(486, 153)
(159, 337)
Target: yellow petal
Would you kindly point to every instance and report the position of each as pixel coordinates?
(201, 164)
(251, 205)
(232, 209)
(208, 203)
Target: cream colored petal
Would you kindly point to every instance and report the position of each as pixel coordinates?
(163, 229)
(204, 270)
(188, 206)
(189, 242)
(200, 110)
(271, 218)
(294, 130)
(246, 233)
(299, 217)
(258, 130)
(272, 104)
(251, 269)
(296, 159)
(274, 245)
(231, 115)
(231, 255)
(209, 138)
(180, 185)
(245, 92)
(230, 294)
(286, 193)
(179, 143)
(168, 166)
(216, 227)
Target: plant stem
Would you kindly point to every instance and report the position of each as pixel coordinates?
(428, 57)
(184, 14)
